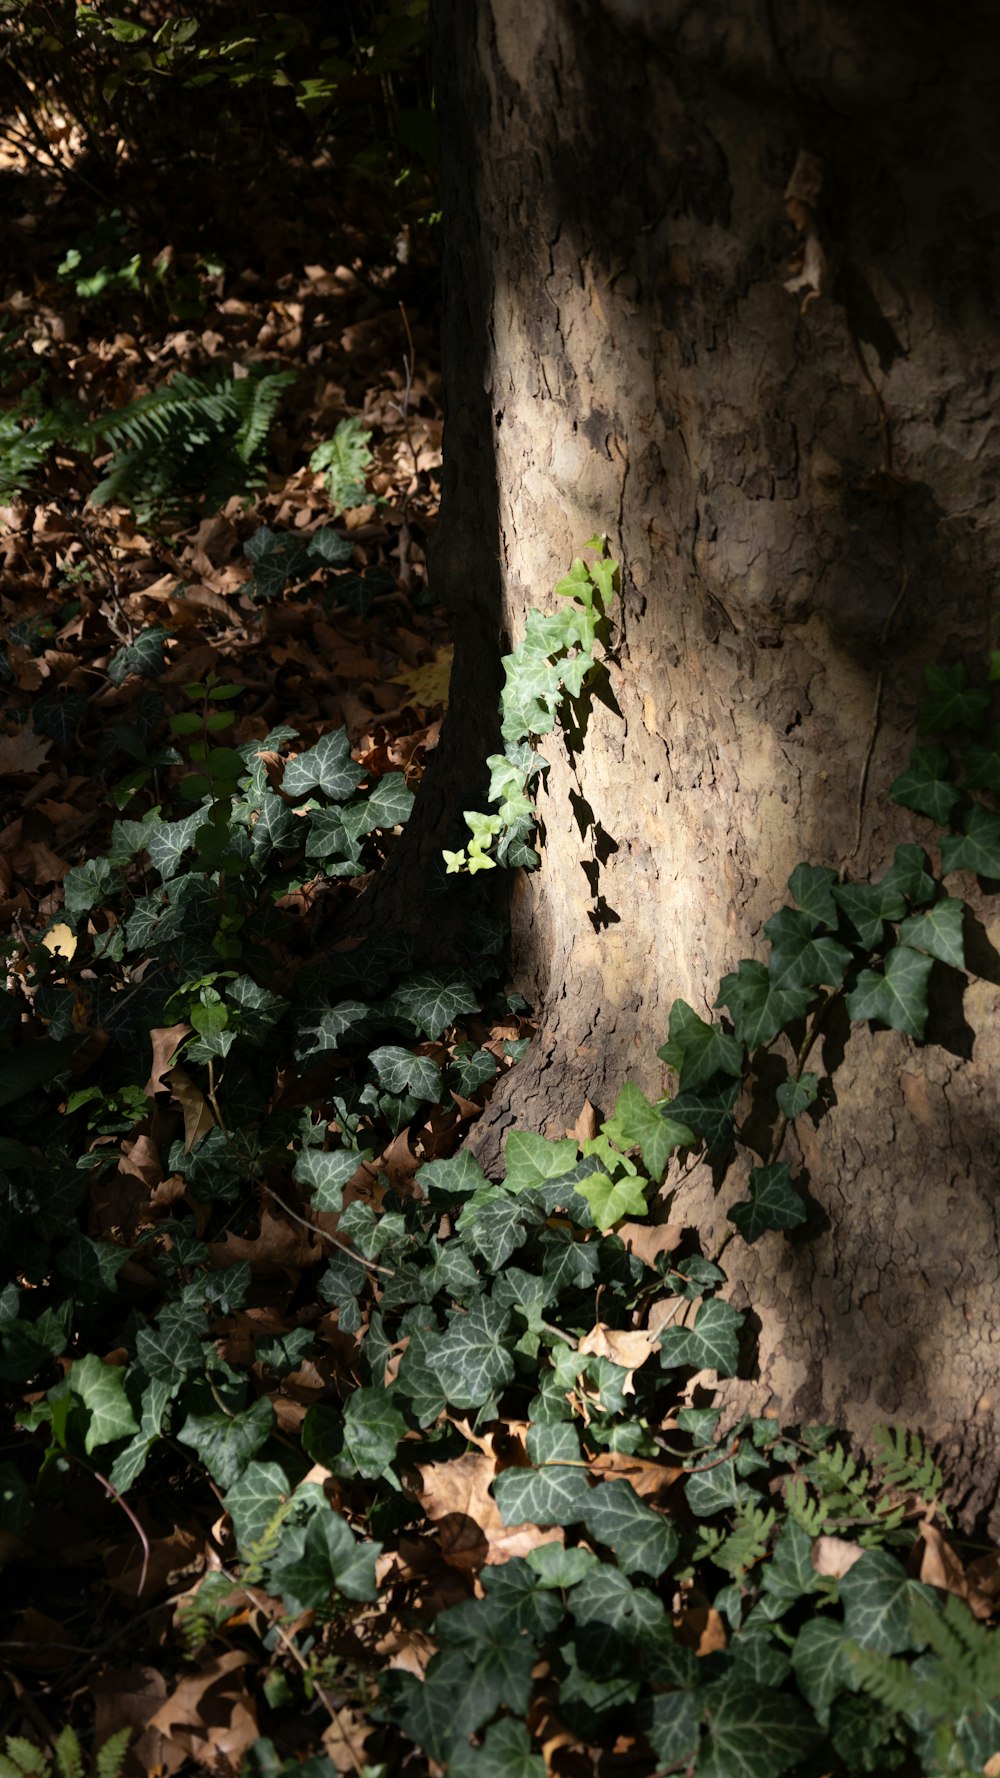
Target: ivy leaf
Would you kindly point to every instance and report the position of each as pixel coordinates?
(329, 1558)
(794, 1096)
(711, 1344)
(670, 1723)
(326, 1174)
(557, 1566)
(389, 805)
(327, 767)
(798, 958)
(373, 1428)
(400, 1071)
(167, 841)
(636, 1123)
(495, 1229)
(642, 1540)
(505, 1753)
(277, 559)
(909, 877)
(453, 1178)
(101, 1388)
(143, 655)
(469, 1360)
(952, 703)
(982, 764)
(328, 547)
(611, 1200)
(532, 1159)
(715, 1489)
(760, 1008)
(753, 1731)
(347, 1019)
(773, 1202)
(709, 1112)
(226, 1442)
(698, 1050)
(867, 906)
(978, 848)
(877, 1594)
(899, 997)
(172, 1350)
(432, 1002)
(253, 1500)
(811, 887)
(552, 1496)
(471, 1069)
(821, 1666)
(925, 786)
(938, 932)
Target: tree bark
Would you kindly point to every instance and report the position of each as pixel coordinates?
(720, 283)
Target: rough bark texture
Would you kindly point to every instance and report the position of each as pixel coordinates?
(800, 484)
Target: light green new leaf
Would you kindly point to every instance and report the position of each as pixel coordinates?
(938, 932)
(611, 1200)
(711, 1344)
(759, 1007)
(557, 1566)
(642, 1540)
(470, 1361)
(773, 1202)
(698, 1050)
(899, 997)
(636, 1123)
(101, 1388)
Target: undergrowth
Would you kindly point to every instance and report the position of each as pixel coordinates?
(497, 1360)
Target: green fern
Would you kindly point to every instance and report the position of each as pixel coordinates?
(736, 1551)
(907, 1466)
(344, 461)
(192, 436)
(22, 1759)
(951, 1695)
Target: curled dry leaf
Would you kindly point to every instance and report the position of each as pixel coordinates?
(209, 1717)
(456, 1497)
(629, 1349)
(198, 1118)
(941, 1566)
(166, 1040)
(834, 1556)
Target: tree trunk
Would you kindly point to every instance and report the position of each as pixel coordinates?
(718, 283)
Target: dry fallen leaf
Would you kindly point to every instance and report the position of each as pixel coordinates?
(198, 1118)
(456, 1497)
(834, 1556)
(60, 940)
(22, 753)
(166, 1040)
(630, 1350)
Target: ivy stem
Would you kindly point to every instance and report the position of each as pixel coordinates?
(385, 1271)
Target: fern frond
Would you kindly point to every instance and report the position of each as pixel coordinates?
(69, 1754)
(884, 1677)
(22, 1756)
(111, 1758)
(906, 1465)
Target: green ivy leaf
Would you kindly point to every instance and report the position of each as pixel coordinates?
(636, 1123)
(611, 1200)
(952, 703)
(532, 1159)
(172, 1350)
(773, 1202)
(670, 1723)
(925, 784)
(373, 1428)
(557, 1566)
(469, 1361)
(143, 656)
(698, 1050)
(811, 887)
(225, 1443)
(554, 1496)
(795, 1096)
(505, 1753)
(642, 1540)
(938, 932)
(716, 1488)
(798, 958)
(978, 848)
(753, 1731)
(760, 1008)
(877, 1594)
(899, 997)
(454, 1178)
(400, 1071)
(867, 906)
(329, 1558)
(253, 1500)
(326, 1174)
(711, 1344)
(432, 1002)
(496, 1229)
(101, 1388)
(909, 876)
(327, 767)
(982, 764)
(821, 1666)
